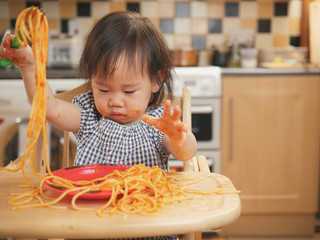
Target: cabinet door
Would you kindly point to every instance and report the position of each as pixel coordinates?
(270, 141)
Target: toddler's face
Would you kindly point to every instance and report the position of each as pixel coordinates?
(123, 96)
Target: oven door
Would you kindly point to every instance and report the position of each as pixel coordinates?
(206, 114)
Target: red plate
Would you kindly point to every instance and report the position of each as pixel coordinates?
(86, 173)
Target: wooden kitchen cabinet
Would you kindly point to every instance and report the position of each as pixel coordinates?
(270, 151)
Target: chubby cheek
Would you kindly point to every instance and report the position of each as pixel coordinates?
(102, 107)
(132, 109)
(136, 108)
(102, 111)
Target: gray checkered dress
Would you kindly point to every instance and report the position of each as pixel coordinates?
(103, 141)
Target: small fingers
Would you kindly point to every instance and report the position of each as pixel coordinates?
(182, 140)
(149, 120)
(8, 40)
(167, 108)
(182, 127)
(8, 53)
(176, 113)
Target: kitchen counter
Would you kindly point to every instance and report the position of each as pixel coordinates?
(13, 72)
(270, 71)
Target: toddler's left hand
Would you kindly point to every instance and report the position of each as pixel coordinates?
(169, 123)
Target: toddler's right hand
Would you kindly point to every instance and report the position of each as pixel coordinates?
(21, 57)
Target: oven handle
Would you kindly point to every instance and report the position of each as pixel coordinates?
(202, 109)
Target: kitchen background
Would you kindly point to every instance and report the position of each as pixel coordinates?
(200, 25)
(246, 96)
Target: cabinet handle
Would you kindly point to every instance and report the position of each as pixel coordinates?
(231, 128)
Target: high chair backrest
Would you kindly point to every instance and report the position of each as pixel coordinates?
(68, 96)
(184, 102)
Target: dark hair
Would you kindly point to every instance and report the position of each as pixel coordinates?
(137, 39)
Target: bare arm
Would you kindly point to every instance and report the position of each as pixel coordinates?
(62, 114)
(179, 140)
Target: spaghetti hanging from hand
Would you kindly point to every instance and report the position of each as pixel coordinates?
(32, 26)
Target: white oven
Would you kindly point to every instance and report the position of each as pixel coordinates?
(205, 85)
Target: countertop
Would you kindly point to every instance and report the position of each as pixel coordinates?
(13, 72)
(270, 71)
(54, 73)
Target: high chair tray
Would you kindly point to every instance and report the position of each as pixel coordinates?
(203, 212)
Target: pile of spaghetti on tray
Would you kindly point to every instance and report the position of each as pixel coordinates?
(137, 190)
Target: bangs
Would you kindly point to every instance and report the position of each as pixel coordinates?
(133, 57)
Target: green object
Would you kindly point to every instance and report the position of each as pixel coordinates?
(15, 43)
(7, 62)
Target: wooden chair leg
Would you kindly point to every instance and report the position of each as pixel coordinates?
(203, 164)
(66, 149)
(40, 154)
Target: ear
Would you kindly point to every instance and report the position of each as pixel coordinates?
(157, 84)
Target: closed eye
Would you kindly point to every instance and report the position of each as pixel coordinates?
(104, 91)
(129, 92)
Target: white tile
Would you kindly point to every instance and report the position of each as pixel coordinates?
(280, 25)
(199, 9)
(263, 40)
(166, 9)
(199, 26)
(182, 41)
(182, 25)
(87, 24)
(248, 9)
(170, 40)
(100, 9)
(51, 9)
(149, 9)
(230, 24)
(295, 7)
(215, 40)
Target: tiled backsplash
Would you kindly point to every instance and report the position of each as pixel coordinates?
(198, 24)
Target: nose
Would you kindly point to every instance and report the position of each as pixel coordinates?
(115, 101)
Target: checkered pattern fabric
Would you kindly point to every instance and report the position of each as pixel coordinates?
(103, 141)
